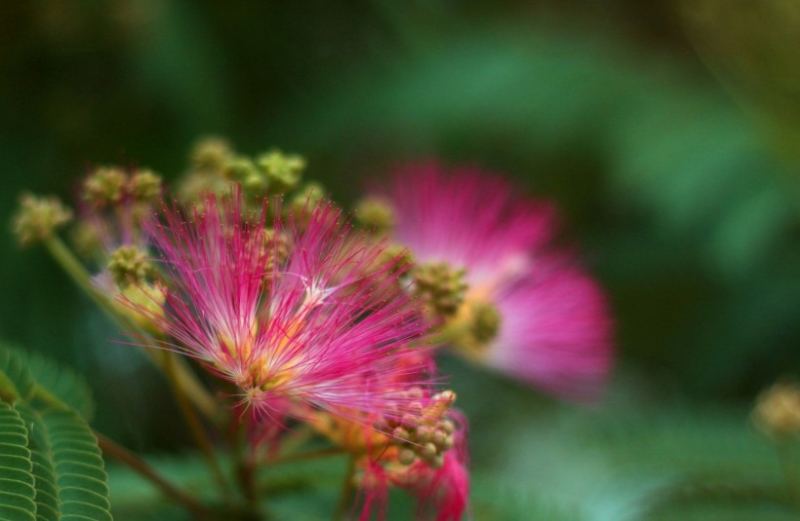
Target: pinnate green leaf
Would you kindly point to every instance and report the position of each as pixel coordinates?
(16, 478)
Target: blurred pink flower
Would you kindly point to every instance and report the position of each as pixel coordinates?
(554, 326)
(320, 327)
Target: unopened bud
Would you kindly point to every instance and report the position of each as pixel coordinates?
(400, 433)
(423, 434)
(38, 217)
(428, 451)
(406, 456)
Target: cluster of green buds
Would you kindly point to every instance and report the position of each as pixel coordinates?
(425, 432)
(215, 165)
(38, 217)
(440, 286)
(109, 186)
(129, 265)
(777, 411)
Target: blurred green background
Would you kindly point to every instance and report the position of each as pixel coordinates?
(667, 132)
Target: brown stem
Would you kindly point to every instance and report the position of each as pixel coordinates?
(126, 457)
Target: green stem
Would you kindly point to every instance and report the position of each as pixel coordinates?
(347, 491)
(187, 380)
(131, 460)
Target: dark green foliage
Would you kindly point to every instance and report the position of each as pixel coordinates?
(50, 465)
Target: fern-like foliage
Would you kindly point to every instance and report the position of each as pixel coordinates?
(50, 464)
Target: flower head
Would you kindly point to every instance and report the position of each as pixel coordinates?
(310, 327)
(528, 310)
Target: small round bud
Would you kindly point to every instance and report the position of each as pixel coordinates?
(428, 451)
(400, 433)
(375, 214)
(406, 456)
(423, 434)
(38, 217)
(439, 437)
(448, 426)
(436, 462)
(409, 421)
(105, 186)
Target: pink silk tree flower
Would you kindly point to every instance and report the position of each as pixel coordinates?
(526, 309)
(299, 324)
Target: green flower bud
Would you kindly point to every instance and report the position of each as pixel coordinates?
(129, 265)
(283, 172)
(38, 217)
(105, 186)
(145, 186)
(440, 286)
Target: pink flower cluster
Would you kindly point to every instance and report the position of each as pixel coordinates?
(308, 319)
(311, 320)
(554, 328)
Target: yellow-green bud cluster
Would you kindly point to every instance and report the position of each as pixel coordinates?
(38, 217)
(282, 171)
(440, 286)
(777, 410)
(105, 186)
(376, 214)
(108, 186)
(215, 165)
(423, 432)
(129, 265)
